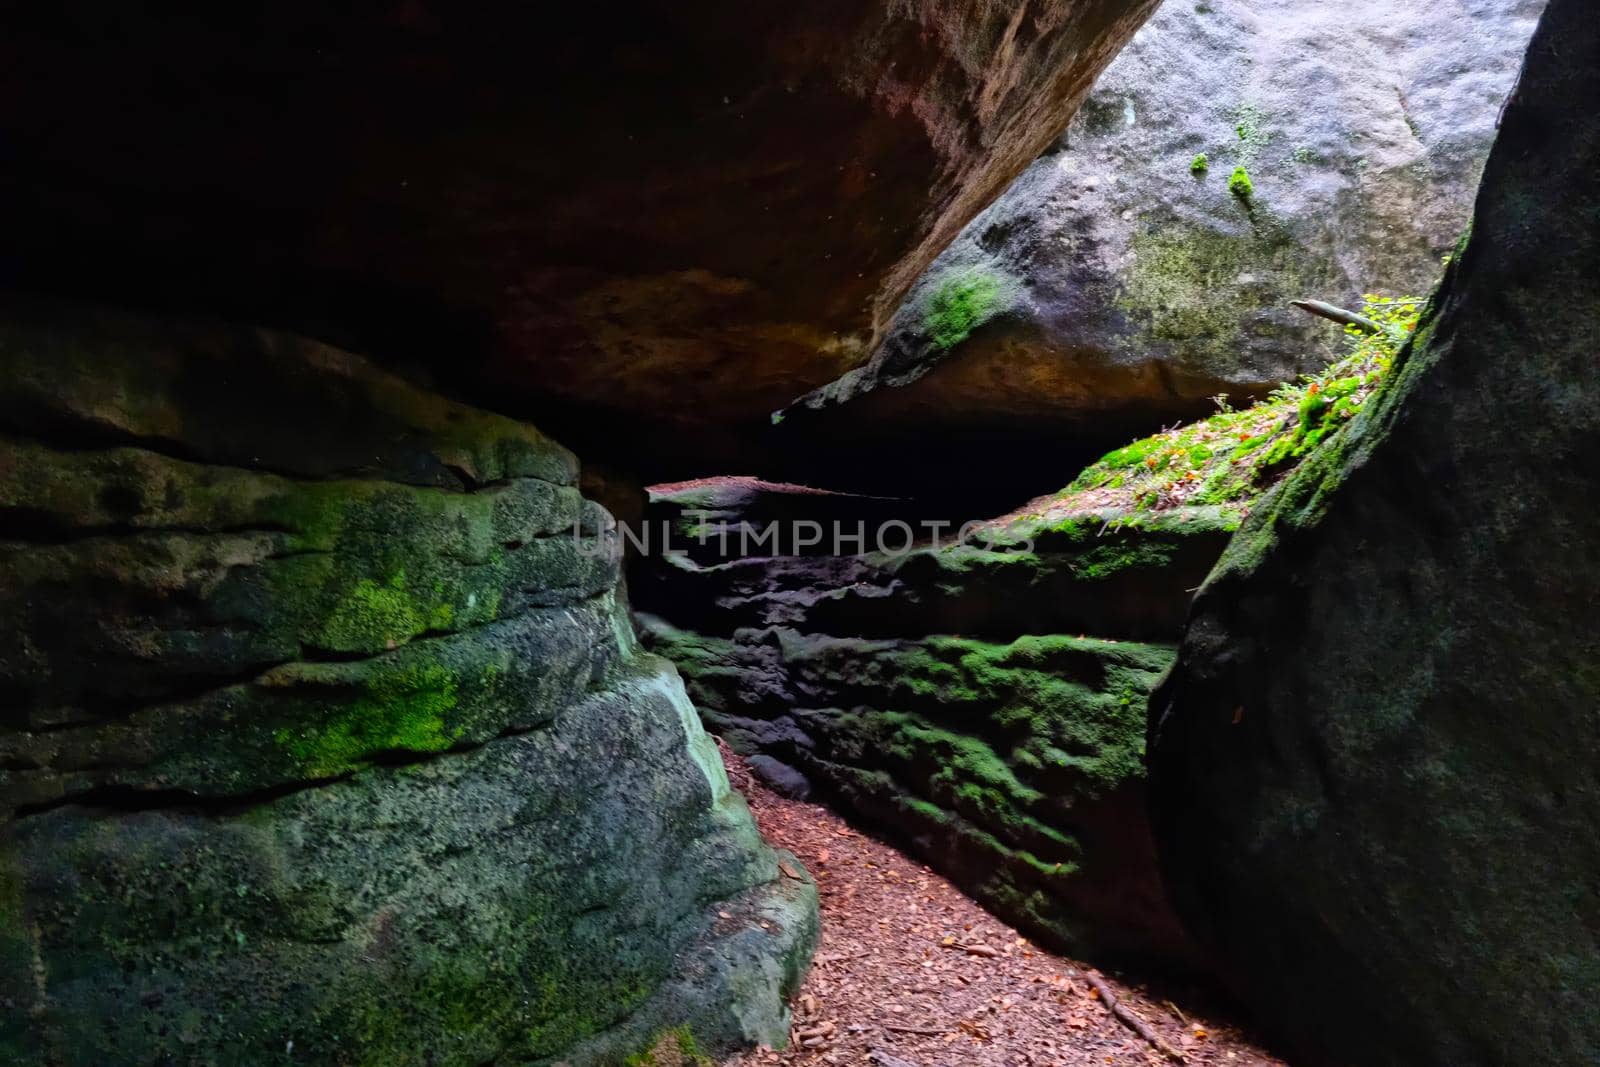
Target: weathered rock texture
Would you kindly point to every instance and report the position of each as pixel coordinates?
(1009, 757)
(325, 736)
(1373, 767)
(1116, 288)
(718, 203)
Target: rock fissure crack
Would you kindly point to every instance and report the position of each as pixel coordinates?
(130, 799)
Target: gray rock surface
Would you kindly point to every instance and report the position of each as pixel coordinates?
(1117, 289)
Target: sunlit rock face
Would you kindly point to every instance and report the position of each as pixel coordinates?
(686, 213)
(325, 735)
(1373, 767)
(1120, 282)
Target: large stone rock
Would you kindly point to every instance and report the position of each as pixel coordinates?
(1373, 767)
(325, 736)
(1009, 757)
(1112, 289)
(718, 204)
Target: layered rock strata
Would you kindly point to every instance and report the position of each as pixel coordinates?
(325, 735)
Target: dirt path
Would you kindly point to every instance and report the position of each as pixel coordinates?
(911, 973)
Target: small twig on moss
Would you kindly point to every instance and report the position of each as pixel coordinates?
(1339, 315)
(1130, 1020)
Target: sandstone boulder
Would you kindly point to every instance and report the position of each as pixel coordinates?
(324, 734)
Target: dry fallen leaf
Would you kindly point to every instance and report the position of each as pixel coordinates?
(884, 917)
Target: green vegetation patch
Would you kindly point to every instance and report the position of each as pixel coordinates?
(1235, 456)
(406, 710)
(1070, 708)
(962, 301)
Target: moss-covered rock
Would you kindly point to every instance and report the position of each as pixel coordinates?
(1009, 757)
(1373, 766)
(331, 744)
(503, 905)
(1016, 768)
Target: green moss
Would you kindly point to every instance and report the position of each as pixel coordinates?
(960, 303)
(525, 999)
(971, 558)
(1199, 165)
(1240, 185)
(407, 710)
(372, 614)
(1133, 455)
(374, 567)
(577, 1003)
(1118, 557)
(673, 1048)
(977, 714)
(1233, 457)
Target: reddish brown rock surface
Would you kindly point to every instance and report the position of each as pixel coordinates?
(693, 213)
